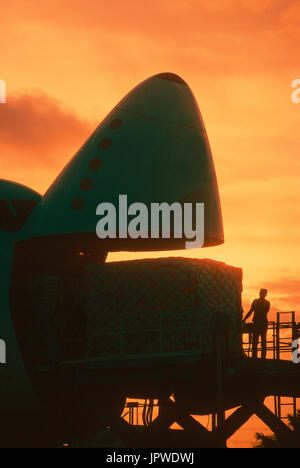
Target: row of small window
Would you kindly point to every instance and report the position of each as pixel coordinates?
(95, 164)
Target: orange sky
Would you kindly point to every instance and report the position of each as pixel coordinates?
(67, 63)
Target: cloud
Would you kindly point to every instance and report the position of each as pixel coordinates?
(290, 20)
(38, 133)
(285, 286)
(239, 58)
(222, 35)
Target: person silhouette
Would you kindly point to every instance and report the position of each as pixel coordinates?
(260, 307)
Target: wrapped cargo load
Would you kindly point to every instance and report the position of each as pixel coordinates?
(132, 308)
(161, 306)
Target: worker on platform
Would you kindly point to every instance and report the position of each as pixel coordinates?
(260, 307)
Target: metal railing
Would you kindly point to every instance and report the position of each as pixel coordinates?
(277, 344)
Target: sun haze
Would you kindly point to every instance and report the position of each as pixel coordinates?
(66, 66)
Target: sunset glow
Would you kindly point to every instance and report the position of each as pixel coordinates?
(66, 66)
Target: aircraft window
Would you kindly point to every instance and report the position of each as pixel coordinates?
(86, 184)
(105, 143)
(95, 164)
